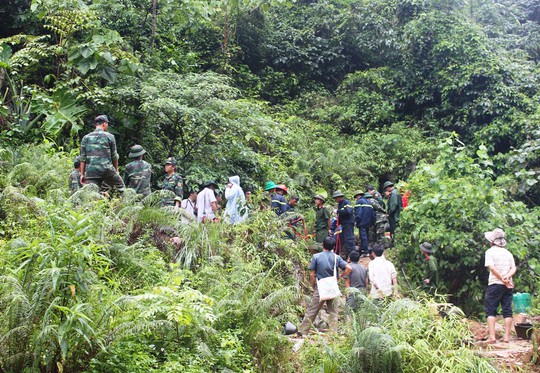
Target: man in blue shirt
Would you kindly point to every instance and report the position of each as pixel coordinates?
(346, 220)
(365, 217)
(322, 266)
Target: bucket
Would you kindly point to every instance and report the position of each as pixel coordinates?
(289, 328)
(524, 330)
(522, 302)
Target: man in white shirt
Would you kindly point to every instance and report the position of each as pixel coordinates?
(382, 275)
(207, 202)
(502, 267)
(189, 203)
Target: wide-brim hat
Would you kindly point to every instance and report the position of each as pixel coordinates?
(337, 194)
(320, 196)
(358, 193)
(211, 182)
(367, 195)
(269, 185)
(496, 236)
(136, 151)
(387, 184)
(426, 247)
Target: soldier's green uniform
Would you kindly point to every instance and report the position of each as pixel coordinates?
(138, 173)
(395, 205)
(431, 268)
(380, 219)
(98, 151)
(432, 272)
(74, 181)
(321, 224)
(173, 183)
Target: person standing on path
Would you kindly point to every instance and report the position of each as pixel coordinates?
(138, 173)
(358, 279)
(74, 181)
(395, 205)
(502, 268)
(322, 266)
(431, 277)
(365, 217)
(382, 275)
(172, 182)
(99, 158)
(380, 218)
(323, 223)
(345, 214)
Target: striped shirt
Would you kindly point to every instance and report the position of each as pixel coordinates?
(500, 259)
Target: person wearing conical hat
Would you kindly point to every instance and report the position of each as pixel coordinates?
(323, 223)
(138, 173)
(172, 182)
(345, 214)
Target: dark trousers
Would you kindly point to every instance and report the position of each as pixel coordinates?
(348, 241)
(497, 294)
(108, 181)
(364, 240)
(393, 224)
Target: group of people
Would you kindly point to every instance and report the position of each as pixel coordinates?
(376, 222)
(98, 164)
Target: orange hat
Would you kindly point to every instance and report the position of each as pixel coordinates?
(283, 188)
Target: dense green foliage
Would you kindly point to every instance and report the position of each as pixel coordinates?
(440, 96)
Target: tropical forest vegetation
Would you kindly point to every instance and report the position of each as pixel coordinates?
(439, 96)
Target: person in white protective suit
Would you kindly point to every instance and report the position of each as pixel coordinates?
(235, 211)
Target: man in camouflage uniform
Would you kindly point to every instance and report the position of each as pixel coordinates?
(376, 195)
(75, 177)
(99, 159)
(138, 172)
(380, 219)
(172, 182)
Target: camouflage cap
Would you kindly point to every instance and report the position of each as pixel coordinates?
(101, 119)
(171, 161)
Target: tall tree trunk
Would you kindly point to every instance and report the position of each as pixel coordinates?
(154, 23)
